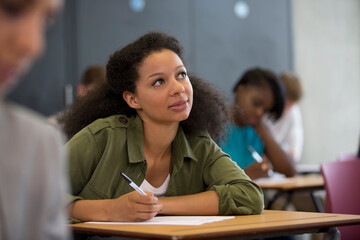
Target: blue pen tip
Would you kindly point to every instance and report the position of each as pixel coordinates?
(126, 177)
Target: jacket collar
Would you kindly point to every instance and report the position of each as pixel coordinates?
(181, 148)
(135, 141)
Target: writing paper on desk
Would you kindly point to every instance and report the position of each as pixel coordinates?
(172, 220)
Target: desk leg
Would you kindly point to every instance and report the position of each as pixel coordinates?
(332, 234)
(274, 198)
(288, 200)
(317, 202)
(278, 194)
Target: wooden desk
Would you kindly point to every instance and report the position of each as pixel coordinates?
(307, 182)
(290, 185)
(270, 223)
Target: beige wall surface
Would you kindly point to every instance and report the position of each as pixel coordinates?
(327, 59)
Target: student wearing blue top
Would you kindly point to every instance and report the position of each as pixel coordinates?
(246, 135)
(257, 92)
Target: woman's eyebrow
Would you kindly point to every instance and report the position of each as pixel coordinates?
(15, 4)
(180, 66)
(154, 74)
(160, 73)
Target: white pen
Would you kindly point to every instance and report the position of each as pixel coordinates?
(255, 154)
(259, 159)
(132, 184)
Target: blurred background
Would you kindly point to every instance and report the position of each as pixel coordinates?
(318, 40)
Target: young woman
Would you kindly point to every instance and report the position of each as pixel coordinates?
(257, 92)
(32, 180)
(153, 123)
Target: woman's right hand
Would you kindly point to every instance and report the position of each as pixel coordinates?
(133, 207)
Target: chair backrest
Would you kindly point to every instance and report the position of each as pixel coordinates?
(342, 185)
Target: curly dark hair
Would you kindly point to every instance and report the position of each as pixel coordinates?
(265, 78)
(209, 110)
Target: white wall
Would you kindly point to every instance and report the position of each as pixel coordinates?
(327, 59)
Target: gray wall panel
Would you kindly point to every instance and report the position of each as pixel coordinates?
(105, 26)
(226, 45)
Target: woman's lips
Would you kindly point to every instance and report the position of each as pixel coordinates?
(7, 74)
(252, 121)
(179, 106)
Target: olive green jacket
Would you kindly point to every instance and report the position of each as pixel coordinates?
(109, 146)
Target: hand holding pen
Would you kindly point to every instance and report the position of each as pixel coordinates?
(136, 205)
(262, 166)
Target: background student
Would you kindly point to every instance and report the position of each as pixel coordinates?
(32, 181)
(288, 130)
(257, 92)
(155, 124)
(93, 76)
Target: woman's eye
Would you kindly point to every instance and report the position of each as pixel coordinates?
(158, 82)
(257, 103)
(182, 75)
(12, 9)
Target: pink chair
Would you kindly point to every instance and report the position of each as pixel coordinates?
(342, 185)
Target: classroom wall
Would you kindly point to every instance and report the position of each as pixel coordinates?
(319, 40)
(218, 45)
(327, 58)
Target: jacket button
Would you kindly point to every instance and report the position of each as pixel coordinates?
(123, 120)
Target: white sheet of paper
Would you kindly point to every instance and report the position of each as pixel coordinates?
(172, 220)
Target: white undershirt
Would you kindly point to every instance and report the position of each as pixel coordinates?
(289, 132)
(158, 192)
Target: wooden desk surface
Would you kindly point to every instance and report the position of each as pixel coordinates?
(269, 222)
(293, 183)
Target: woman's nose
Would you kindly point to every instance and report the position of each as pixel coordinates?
(259, 112)
(177, 87)
(29, 37)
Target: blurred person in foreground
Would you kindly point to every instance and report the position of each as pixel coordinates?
(32, 180)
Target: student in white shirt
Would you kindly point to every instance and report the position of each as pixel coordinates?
(288, 130)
